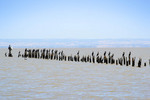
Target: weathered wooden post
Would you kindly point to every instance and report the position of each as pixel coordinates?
(10, 49)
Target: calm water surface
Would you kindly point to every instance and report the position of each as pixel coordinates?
(45, 79)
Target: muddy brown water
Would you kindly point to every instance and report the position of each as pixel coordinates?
(63, 80)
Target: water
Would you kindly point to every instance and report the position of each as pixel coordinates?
(74, 43)
(46, 79)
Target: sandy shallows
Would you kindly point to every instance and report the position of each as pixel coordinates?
(46, 79)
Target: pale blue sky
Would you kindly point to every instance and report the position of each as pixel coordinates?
(78, 19)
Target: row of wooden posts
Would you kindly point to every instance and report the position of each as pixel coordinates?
(92, 58)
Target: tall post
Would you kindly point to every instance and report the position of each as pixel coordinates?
(10, 49)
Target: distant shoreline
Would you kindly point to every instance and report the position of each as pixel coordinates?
(75, 43)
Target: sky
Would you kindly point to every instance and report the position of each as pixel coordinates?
(74, 19)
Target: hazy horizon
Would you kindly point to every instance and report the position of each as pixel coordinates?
(74, 43)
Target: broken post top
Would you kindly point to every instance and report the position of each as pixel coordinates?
(9, 47)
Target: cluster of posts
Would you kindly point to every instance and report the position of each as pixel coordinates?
(60, 56)
(9, 53)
